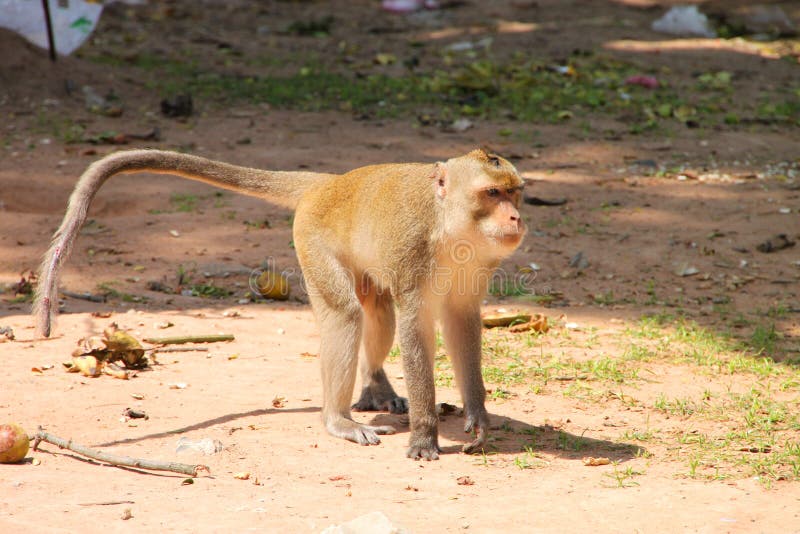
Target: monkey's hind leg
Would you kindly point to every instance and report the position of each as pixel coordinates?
(377, 394)
(340, 319)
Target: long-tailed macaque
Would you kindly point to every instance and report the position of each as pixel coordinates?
(412, 243)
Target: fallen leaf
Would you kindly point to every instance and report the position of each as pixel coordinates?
(87, 366)
(591, 461)
(187, 482)
(279, 402)
(244, 475)
(465, 481)
(114, 370)
(538, 323)
(334, 478)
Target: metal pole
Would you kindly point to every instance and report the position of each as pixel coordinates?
(50, 41)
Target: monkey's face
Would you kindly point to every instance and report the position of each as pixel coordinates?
(484, 192)
(498, 218)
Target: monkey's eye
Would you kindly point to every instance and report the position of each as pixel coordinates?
(512, 190)
(494, 160)
(493, 192)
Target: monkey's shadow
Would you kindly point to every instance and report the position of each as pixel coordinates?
(511, 436)
(506, 436)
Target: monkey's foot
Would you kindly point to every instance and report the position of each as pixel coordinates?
(361, 434)
(372, 401)
(423, 449)
(480, 424)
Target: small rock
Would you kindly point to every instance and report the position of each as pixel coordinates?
(371, 523)
(579, 261)
(775, 243)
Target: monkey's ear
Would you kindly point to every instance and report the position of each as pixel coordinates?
(440, 177)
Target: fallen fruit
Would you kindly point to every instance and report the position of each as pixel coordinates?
(501, 318)
(272, 285)
(13, 443)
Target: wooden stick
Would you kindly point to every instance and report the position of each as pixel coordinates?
(179, 349)
(178, 340)
(124, 461)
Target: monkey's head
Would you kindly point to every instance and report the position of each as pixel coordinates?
(480, 194)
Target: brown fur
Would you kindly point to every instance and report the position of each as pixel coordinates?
(384, 244)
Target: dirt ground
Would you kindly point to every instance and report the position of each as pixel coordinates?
(642, 209)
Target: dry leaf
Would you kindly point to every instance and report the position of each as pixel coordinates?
(279, 402)
(334, 478)
(124, 346)
(112, 369)
(244, 475)
(591, 461)
(465, 481)
(538, 323)
(86, 365)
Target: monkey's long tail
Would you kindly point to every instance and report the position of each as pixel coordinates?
(283, 188)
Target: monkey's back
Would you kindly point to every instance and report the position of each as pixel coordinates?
(373, 220)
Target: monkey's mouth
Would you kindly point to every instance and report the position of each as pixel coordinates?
(512, 233)
(509, 237)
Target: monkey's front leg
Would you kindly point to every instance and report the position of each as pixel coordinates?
(461, 324)
(416, 346)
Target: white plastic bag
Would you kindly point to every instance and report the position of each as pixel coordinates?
(73, 22)
(685, 21)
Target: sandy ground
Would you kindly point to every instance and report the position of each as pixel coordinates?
(260, 394)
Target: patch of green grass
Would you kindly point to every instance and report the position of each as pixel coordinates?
(505, 287)
(606, 369)
(182, 202)
(530, 459)
(108, 289)
(527, 89)
(677, 406)
(210, 291)
(764, 339)
(623, 478)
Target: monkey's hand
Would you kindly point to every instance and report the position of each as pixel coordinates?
(424, 448)
(479, 423)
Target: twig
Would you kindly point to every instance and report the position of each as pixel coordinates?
(179, 349)
(178, 340)
(105, 503)
(125, 461)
